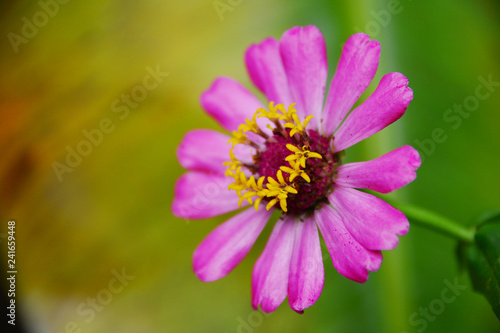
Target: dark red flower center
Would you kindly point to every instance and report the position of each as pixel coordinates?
(320, 171)
(293, 167)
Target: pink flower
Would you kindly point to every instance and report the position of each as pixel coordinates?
(288, 158)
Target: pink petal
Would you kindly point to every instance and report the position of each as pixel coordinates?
(229, 102)
(266, 70)
(270, 273)
(223, 249)
(306, 277)
(384, 174)
(303, 51)
(349, 258)
(243, 153)
(371, 221)
(204, 150)
(200, 195)
(356, 68)
(386, 105)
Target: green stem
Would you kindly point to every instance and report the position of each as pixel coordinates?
(434, 221)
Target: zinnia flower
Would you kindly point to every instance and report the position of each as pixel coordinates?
(287, 157)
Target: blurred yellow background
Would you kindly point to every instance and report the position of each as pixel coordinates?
(93, 221)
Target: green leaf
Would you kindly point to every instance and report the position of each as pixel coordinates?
(483, 260)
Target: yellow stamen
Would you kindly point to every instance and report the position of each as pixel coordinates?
(277, 188)
(300, 155)
(250, 125)
(295, 171)
(292, 121)
(238, 137)
(273, 111)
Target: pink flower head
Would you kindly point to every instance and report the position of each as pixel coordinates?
(287, 157)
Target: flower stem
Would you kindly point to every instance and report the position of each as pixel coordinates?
(434, 221)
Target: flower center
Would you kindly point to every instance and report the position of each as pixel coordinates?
(294, 167)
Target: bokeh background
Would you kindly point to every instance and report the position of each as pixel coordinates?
(111, 212)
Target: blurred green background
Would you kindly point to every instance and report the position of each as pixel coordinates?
(79, 227)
